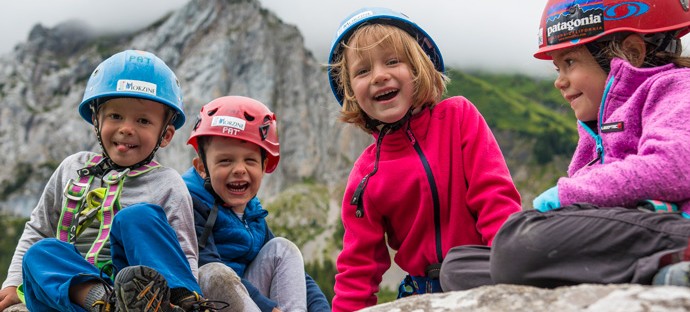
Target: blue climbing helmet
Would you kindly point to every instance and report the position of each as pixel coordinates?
(136, 74)
(373, 15)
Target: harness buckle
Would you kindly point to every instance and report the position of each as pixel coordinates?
(112, 179)
(68, 190)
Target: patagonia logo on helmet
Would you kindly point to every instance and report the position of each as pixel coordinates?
(228, 121)
(575, 23)
(353, 20)
(136, 86)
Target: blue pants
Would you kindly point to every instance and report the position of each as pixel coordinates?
(140, 235)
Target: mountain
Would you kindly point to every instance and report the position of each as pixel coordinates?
(224, 47)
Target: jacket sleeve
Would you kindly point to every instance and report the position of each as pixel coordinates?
(316, 300)
(208, 253)
(364, 257)
(657, 167)
(491, 193)
(44, 219)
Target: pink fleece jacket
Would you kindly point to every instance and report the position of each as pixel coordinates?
(644, 128)
(476, 195)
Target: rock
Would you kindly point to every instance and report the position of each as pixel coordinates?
(586, 297)
(20, 307)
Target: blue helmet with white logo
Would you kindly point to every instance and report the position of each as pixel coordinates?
(378, 16)
(135, 74)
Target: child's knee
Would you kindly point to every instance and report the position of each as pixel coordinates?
(141, 213)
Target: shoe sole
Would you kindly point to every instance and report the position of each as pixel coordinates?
(140, 288)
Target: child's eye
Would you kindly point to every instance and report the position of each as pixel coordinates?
(393, 61)
(114, 116)
(360, 72)
(144, 121)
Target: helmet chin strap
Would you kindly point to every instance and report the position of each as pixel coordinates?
(374, 124)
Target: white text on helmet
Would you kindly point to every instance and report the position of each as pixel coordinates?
(353, 20)
(572, 24)
(136, 86)
(228, 121)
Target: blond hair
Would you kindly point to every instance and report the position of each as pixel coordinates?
(429, 84)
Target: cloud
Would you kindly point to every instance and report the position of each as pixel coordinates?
(491, 35)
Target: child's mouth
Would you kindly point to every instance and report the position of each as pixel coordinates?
(238, 187)
(386, 95)
(123, 147)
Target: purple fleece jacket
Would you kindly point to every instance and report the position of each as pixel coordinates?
(644, 129)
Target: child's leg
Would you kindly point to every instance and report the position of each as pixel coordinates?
(465, 267)
(585, 244)
(141, 235)
(219, 282)
(51, 269)
(278, 272)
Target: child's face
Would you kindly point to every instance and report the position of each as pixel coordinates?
(382, 82)
(130, 129)
(235, 168)
(581, 81)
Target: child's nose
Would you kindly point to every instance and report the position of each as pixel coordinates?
(380, 75)
(126, 128)
(561, 82)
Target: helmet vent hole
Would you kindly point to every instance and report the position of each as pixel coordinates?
(267, 119)
(248, 117)
(212, 112)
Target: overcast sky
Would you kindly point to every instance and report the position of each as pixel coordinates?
(496, 35)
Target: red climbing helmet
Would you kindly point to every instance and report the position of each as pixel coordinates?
(569, 23)
(240, 118)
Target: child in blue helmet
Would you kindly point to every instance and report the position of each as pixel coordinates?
(435, 178)
(115, 213)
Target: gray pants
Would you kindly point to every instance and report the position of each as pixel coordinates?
(277, 271)
(571, 245)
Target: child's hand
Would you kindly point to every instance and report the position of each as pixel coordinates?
(8, 297)
(547, 200)
(276, 310)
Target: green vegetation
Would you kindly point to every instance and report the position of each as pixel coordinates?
(299, 213)
(524, 106)
(11, 228)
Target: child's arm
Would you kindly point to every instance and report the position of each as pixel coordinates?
(44, 217)
(658, 169)
(207, 249)
(8, 297)
(177, 204)
(364, 257)
(491, 194)
(316, 300)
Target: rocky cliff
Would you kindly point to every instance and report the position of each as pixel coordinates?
(216, 48)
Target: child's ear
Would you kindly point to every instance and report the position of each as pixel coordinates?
(199, 167)
(167, 137)
(635, 48)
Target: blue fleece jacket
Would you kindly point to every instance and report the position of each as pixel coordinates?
(230, 243)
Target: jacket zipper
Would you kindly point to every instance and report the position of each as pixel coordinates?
(434, 192)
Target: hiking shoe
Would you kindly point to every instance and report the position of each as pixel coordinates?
(190, 301)
(140, 288)
(675, 274)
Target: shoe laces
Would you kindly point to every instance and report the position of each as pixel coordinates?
(196, 303)
(107, 302)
